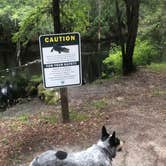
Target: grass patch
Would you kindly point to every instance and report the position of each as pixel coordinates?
(18, 123)
(1, 115)
(159, 67)
(5, 141)
(159, 92)
(51, 118)
(78, 116)
(98, 82)
(23, 118)
(99, 104)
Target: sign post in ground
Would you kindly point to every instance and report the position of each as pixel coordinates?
(61, 64)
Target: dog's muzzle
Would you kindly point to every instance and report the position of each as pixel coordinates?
(119, 147)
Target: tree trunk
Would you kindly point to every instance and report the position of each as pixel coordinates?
(18, 52)
(132, 13)
(120, 37)
(128, 44)
(99, 26)
(63, 91)
(56, 16)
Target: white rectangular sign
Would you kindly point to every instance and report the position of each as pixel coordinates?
(61, 59)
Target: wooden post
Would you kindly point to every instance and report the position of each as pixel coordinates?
(64, 105)
(63, 91)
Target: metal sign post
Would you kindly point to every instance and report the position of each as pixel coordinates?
(61, 63)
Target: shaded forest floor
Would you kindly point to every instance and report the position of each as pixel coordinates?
(134, 106)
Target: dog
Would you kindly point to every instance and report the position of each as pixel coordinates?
(100, 154)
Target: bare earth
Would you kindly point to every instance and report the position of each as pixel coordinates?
(135, 107)
(137, 111)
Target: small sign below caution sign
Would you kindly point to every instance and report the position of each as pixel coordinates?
(61, 59)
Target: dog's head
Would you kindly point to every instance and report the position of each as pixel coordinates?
(110, 143)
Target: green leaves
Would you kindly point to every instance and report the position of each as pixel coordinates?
(153, 23)
(74, 15)
(33, 23)
(26, 20)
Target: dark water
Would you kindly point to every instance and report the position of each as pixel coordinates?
(92, 54)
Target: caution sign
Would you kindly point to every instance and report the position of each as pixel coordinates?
(61, 59)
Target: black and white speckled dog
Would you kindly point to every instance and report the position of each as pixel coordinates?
(99, 154)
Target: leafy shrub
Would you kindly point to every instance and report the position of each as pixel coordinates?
(31, 88)
(49, 96)
(78, 116)
(20, 79)
(49, 117)
(113, 63)
(36, 78)
(144, 53)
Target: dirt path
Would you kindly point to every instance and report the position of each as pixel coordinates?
(133, 106)
(137, 111)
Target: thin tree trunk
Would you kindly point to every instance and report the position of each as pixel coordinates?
(127, 46)
(63, 91)
(132, 13)
(56, 16)
(99, 26)
(120, 35)
(18, 49)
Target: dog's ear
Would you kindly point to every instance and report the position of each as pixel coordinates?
(104, 135)
(113, 135)
(112, 139)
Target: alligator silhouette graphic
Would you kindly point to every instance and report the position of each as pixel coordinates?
(59, 48)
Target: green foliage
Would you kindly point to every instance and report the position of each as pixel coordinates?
(74, 15)
(113, 63)
(49, 118)
(32, 22)
(26, 20)
(99, 104)
(23, 118)
(20, 79)
(31, 88)
(36, 79)
(159, 92)
(12, 13)
(78, 116)
(107, 18)
(144, 53)
(153, 25)
(49, 96)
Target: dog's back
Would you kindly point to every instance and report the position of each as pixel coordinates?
(90, 157)
(99, 154)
